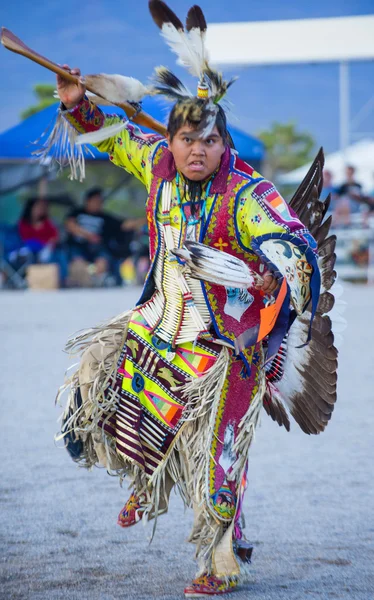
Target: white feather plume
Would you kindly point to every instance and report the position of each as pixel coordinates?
(197, 40)
(94, 137)
(215, 266)
(189, 52)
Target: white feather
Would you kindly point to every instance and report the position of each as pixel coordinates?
(116, 88)
(216, 266)
(188, 55)
(94, 137)
(291, 381)
(298, 355)
(197, 39)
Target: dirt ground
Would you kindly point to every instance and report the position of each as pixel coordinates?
(309, 505)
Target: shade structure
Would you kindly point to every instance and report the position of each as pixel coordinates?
(18, 143)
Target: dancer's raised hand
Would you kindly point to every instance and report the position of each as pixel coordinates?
(69, 92)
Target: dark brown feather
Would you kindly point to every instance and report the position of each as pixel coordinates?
(324, 340)
(328, 279)
(318, 214)
(322, 324)
(326, 204)
(308, 209)
(322, 396)
(312, 178)
(329, 354)
(318, 421)
(300, 421)
(322, 415)
(327, 247)
(323, 230)
(302, 418)
(315, 367)
(161, 14)
(276, 410)
(312, 408)
(327, 263)
(323, 378)
(321, 327)
(304, 199)
(196, 19)
(325, 303)
(315, 417)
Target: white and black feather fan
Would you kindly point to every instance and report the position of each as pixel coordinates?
(307, 380)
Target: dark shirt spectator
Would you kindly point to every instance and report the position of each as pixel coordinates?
(94, 236)
(91, 231)
(349, 198)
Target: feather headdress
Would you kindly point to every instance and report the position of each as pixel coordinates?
(189, 45)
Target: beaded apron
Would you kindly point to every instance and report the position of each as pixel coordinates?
(167, 344)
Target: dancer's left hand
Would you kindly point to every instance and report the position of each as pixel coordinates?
(269, 284)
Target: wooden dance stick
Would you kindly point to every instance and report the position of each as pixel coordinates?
(14, 44)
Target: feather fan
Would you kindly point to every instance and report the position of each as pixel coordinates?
(308, 381)
(302, 377)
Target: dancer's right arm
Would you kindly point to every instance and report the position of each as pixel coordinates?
(130, 149)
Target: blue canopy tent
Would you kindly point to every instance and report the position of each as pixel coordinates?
(16, 144)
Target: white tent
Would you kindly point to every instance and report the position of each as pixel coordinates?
(359, 155)
(342, 39)
(292, 41)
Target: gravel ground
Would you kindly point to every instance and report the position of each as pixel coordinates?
(309, 505)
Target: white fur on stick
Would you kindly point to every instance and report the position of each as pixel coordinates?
(116, 88)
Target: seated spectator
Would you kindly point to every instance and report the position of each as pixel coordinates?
(140, 253)
(328, 187)
(39, 235)
(35, 227)
(349, 198)
(369, 200)
(93, 236)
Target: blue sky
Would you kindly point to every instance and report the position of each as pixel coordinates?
(120, 37)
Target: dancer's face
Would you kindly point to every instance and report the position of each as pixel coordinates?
(194, 157)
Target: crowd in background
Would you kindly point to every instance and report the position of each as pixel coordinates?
(94, 248)
(88, 249)
(353, 220)
(349, 205)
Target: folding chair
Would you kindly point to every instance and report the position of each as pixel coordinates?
(13, 264)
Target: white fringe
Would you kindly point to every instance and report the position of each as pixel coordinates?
(84, 419)
(60, 148)
(187, 463)
(194, 446)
